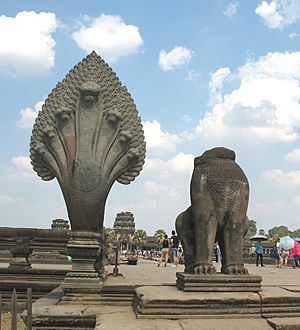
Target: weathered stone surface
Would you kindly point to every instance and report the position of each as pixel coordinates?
(168, 302)
(278, 302)
(88, 135)
(41, 281)
(218, 283)
(45, 244)
(225, 324)
(219, 199)
(291, 323)
(84, 280)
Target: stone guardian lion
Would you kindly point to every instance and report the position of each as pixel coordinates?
(219, 199)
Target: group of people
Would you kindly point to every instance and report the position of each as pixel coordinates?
(169, 245)
(280, 254)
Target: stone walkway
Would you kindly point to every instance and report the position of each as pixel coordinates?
(147, 273)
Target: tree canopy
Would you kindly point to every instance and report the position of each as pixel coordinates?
(159, 235)
(139, 237)
(111, 235)
(277, 232)
(251, 228)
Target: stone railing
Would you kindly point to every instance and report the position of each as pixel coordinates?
(19, 245)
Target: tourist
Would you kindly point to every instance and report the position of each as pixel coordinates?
(285, 256)
(217, 252)
(252, 252)
(295, 261)
(174, 248)
(295, 253)
(259, 253)
(164, 251)
(277, 254)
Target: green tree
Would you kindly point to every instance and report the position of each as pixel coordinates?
(139, 237)
(294, 233)
(159, 235)
(261, 232)
(111, 235)
(251, 229)
(277, 232)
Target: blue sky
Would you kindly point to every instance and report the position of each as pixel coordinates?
(202, 74)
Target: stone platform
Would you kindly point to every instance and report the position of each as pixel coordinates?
(41, 281)
(276, 306)
(218, 283)
(168, 302)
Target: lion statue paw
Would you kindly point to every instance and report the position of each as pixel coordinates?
(205, 269)
(236, 270)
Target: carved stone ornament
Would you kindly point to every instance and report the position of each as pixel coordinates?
(88, 135)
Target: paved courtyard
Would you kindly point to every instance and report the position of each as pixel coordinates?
(147, 273)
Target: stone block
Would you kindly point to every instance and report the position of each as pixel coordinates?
(168, 302)
(218, 283)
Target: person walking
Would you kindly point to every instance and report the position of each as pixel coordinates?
(174, 248)
(285, 256)
(217, 252)
(252, 253)
(164, 251)
(278, 262)
(259, 253)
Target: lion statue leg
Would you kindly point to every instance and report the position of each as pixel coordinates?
(232, 242)
(185, 230)
(205, 227)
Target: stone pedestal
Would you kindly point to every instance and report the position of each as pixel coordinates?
(20, 252)
(218, 283)
(84, 283)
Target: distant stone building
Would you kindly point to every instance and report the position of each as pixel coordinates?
(124, 227)
(60, 224)
(150, 244)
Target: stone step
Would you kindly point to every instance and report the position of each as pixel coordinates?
(168, 302)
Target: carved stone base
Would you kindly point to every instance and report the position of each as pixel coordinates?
(83, 283)
(82, 293)
(218, 283)
(169, 302)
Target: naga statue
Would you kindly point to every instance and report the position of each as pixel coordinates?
(219, 199)
(88, 135)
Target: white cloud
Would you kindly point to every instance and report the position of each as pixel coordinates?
(277, 14)
(192, 76)
(175, 58)
(28, 115)
(280, 178)
(26, 43)
(152, 187)
(293, 156)
(5, 199)
(294, 35)
(231, 9)
(23, 165)
(179, 164)
(216, 83)
(264, 106)
(186, 118)
(109, 36)
(157, 139)
(297, 200)
(159, 190)
(19, 170)
(265, 208)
